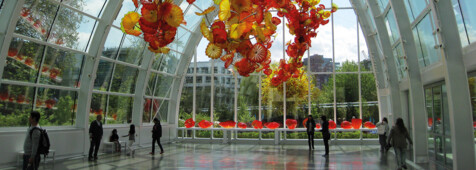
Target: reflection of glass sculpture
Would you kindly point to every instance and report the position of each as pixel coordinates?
(332, 124)
(257, 124)
(205, 124)
(318, 125)
(369, 125)
(271, 125)
(356, 123)
(291, 123)
(304, 122)
(189, 123)
(228, 124)
(346, 125)
(474, 124)
(430, 122)
(242, 125)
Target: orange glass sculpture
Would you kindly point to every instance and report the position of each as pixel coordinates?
(346, 125)
(12, 52)
(332, 124)
(20, 98)
(242, 125)
(257, 124)
(228, 124)
(291, 123)
(356, 123)
(205, 124)
(50, 103)
(369, 125)
(430, 122)
(4, 96)
(271, 125)
(304, 122)
(318, 125)
(189, 123)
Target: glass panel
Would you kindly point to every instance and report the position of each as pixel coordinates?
(448, 152)
(186, 105)
(15, 105)
(297, 98)
(162, 113)
(267, 134)
(340, 3)
(438, 124)
(61, 68)
(278, 44)
(181, 39)
(203, 98)
(318, 63)
(272, 100)
(131, 50)
(323, 104)
(368, 87)
(426, 43)
(414, 8)
(370, 113)
(460, 22)
(248, 100)
(469, 16)
(347, 94)
(36, 18)
(157, 59)
(103, 75)
(163, 85)
(224, 99)
(119, 110)
(124, 79)
(429, 110)
(98, 106)
(203, 133)
(382, 4)
(345, 39)
(57, 106)
(23, 61)
(92, 7)
(149, 91)
(401, 65)
(192, 19)
(170, 62)
(472, 93)
(1, 5)
(148, 107)
(392, 27)
(71, 29)
(203, 4)
(112, 43)
(126, 7)
(365, 61)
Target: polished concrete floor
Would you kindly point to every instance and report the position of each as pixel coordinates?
(237, 156)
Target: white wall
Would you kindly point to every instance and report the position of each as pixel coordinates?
(69, 142)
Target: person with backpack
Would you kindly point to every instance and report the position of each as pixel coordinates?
(398, 139)
(382, 130)
(310, 125)
(31, 157)
(156, 134)
(95, 135)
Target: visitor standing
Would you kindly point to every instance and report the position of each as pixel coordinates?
(132, 138)
(95, 136)
(325, 134)
(156, 134)
(31, 157)
(383, 130)
(310, 124)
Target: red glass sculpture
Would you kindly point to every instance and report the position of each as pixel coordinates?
(474, 124)
(11, 99)
(332, 124)
(29, 61)
(318, 125)
(12, 52)
(356, 123)
(54, 72)
(205, 124)
(39, 102)
(114, 116)
(242, 125)
(20, 98)
(4, 96)
(189, 123)
(50, 103)
(228, 124)
(430, 122)
(44, 69)
(291, 123)
(257, 124)
(271, 125)
(304, 122)
(369, 125)
(346, 125)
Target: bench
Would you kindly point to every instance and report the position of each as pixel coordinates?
(110, 145)
(21, 153)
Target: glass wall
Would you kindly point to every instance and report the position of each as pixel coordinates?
(466, 19)
(338, 82)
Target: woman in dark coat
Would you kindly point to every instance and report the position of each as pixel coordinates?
(325, 134)
(156, 134)
(310, 124)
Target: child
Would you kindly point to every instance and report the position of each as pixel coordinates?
(115, 138)
(132, 138)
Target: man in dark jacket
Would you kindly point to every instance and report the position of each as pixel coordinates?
(325, 134)
(310, 124)
(156, 134)
(95, 135)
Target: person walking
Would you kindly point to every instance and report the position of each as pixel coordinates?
(132, 138)
(325, 134)
(156, 134)
(398, 139)
(383, 130)
(310, 125)
(31, 157)
(95, 136)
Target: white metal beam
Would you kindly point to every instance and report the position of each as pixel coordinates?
(8, 17)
